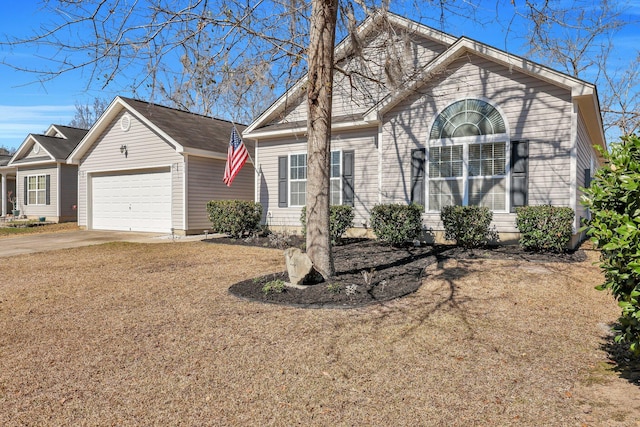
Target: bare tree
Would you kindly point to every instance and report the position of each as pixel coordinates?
(87, 114)
(576, 38)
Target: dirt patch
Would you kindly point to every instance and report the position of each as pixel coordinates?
(148, 334)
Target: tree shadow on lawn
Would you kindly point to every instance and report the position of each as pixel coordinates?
(369, 272)
(626, 365)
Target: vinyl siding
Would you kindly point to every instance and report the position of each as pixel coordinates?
(532, 109)
(584, 155)
(205, 184)
(146, 150)
(50, 211)
(363, 143)
(354, 94)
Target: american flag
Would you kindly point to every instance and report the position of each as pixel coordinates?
(236, 157)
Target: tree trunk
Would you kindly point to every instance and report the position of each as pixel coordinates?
(319, 95)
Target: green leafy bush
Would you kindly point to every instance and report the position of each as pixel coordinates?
(396, 224)
(340, 219)
(614, 201)
(545, 228)
(273, 287)
(469, 226)
(234, 217)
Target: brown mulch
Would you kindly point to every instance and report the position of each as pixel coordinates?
(370, 272)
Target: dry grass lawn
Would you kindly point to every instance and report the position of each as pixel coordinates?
(133, 334)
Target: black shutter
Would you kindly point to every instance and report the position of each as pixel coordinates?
(26, 194)
(587, 178)
(48, 190)
(417, 176)
(348, 192)
(283, 172)
(519, 174)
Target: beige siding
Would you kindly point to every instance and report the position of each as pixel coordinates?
(532, 109)
(51, 210)
(354, 94)
(145, 150)
(363, 143)
(585, 154)
(205, 184)
(68, 192)
(32, 154)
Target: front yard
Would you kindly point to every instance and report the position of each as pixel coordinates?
(135, 334)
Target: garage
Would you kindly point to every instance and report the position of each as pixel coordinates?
(132, 201)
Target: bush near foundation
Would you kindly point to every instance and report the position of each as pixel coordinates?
(469, 226)
(545, 228)
(396, 224)
(614, 201)
(340, 219)
(234, 217)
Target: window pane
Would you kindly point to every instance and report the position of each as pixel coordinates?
(298, 193)
(42, 182)
(489, 192)
(335, 192)
(32, 182)
(335, 164)
(32, 198)
(444, 193)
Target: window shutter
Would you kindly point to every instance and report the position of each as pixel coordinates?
(348, 160)
(519, 174)
(417, 176)
(48, 190)
(587, 178)
(26, 193)
(282, 181)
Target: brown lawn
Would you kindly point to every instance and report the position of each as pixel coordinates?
(133, 334)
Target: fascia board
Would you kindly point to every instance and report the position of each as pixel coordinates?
(205, 153)
(302, 130)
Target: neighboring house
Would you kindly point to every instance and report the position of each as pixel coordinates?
(439, 121)
(46, 185)
(7, 183)
(145, 167)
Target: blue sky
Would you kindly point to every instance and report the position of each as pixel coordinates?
(28, 106)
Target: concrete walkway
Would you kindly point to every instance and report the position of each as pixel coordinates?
(31, 243)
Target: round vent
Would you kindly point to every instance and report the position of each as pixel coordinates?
(36, 148)
(125, 122)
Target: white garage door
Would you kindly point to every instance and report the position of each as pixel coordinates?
(132, 202)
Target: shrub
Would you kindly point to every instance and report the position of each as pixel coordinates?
(234, 217)
(340, 219)
(469, 226)
(274, 287)
(544, 228)
(396, 224)
(614, 201)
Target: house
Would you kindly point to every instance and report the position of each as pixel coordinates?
(46, 186)
(422, 117)
(7, 183)
(146, 167)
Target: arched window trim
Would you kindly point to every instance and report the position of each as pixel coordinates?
(484, 115)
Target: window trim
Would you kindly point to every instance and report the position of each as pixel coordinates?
(331, 179)
(37, 190)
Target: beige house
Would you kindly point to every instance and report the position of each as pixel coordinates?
(46, 186)
(145, 167)
(424, 117)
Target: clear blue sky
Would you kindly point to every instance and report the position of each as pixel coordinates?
(27, 106)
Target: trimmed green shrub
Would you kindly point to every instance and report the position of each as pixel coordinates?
(545, 228)
(614, 201)
(234, 217)
(469, 226)
(340, 219)
(396, 224)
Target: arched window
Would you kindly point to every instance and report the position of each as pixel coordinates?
(468, 117)
(467, 160)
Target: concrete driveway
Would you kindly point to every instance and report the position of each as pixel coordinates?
(32, 243)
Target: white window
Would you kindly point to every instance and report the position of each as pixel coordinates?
(298, 179)
(37, 190)
(467, 157)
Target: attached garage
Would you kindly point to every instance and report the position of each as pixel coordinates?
(145, 167)
(132, 201)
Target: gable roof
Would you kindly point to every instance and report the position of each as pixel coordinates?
(187, 132)
(345, 49)
(584, 93)
(56, 146)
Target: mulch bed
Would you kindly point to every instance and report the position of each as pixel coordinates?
(368, 271)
